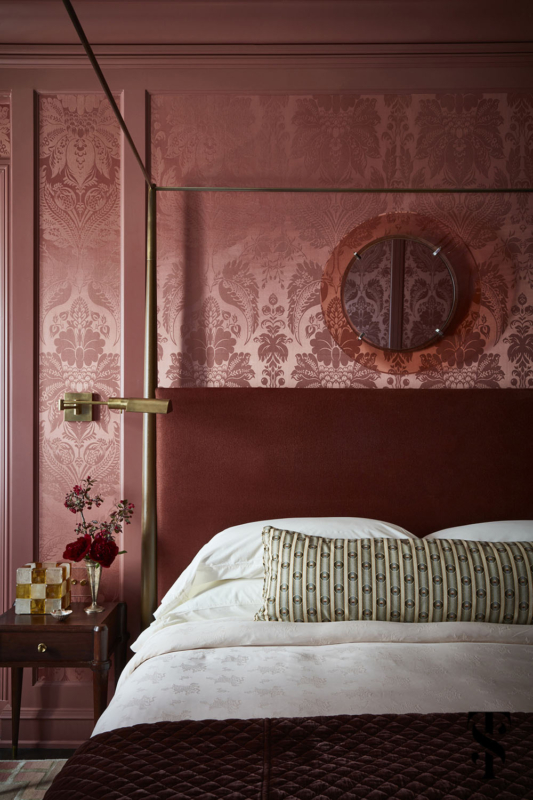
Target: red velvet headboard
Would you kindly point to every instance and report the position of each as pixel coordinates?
(421, 459)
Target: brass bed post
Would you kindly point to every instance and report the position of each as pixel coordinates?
(149, 518)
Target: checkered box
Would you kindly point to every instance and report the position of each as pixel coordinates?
(42, 587)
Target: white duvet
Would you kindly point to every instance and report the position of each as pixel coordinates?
(226, 669)
(205, 658)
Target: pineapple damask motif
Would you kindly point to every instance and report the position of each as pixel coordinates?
(209, 358)
(273, 343)
(460, 136)
(520, 342)
(335, 135)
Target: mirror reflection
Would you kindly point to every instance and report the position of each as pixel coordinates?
(399, 294)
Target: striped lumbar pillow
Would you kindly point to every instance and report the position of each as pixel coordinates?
(314, 579)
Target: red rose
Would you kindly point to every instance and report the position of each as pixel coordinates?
(103, 550)
(77, 550)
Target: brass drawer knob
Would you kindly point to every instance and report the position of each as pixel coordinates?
(74, 582)
(41, 648)
(83, 582)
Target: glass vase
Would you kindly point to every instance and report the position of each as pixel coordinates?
(94, 573)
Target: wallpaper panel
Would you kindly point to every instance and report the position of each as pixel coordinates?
(5, 127)
(80, 307)
(239, 274)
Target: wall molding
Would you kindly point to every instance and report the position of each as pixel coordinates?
(452, 55)
(49, 713)
(48, 727)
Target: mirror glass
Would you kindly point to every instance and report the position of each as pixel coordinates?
(399, 294)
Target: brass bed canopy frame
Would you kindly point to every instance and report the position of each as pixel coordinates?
(148, 505)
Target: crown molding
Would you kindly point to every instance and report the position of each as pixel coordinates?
(496, 55)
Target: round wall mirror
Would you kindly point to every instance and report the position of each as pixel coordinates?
(399, 293)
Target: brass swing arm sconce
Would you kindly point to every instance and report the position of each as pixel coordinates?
(78, 406)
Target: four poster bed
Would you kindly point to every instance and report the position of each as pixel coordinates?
(215, 704)
(262, 510)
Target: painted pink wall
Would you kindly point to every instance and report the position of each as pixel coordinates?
(89, 206)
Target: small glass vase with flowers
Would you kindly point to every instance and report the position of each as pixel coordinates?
(96, 540)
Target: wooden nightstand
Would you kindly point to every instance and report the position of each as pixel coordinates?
(79, 640)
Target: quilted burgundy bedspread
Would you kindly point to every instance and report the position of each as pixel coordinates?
(407, 756)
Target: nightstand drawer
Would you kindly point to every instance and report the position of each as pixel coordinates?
(46, 646)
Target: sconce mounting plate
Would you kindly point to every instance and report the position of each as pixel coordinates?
(85, 411)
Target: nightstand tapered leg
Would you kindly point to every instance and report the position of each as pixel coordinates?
(16, 696)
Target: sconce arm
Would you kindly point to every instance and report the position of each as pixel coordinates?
(78, 406)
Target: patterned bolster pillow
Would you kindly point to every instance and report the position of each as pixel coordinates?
(314, 579)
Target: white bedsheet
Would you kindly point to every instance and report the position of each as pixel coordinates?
(239, 669)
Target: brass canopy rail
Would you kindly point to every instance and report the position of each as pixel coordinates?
(344, 190)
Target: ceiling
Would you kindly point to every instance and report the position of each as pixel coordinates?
(226, 22)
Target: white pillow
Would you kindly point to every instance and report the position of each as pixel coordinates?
(237, 552)
(513, 530)
(228, 600)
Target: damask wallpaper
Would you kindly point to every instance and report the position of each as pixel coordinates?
(239, 274)
(5, 128)
(80, 304)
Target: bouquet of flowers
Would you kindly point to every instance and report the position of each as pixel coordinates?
(96, 540)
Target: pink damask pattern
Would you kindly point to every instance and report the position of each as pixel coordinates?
(5, 127)
(367, 293)
(428, 295)
(460, 137)
(79, 325)
(239, 274)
